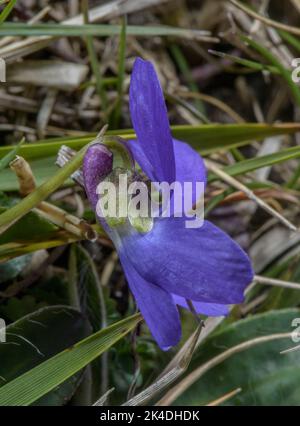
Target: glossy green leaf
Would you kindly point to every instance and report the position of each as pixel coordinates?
(265, 376)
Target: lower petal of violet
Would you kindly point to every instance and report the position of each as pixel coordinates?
(202, 264)
(209, 309)
(156, 305)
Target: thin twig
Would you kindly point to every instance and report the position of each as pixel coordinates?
(170, 376)
(250, 194)
(20, 286)
(195, 375)
(287, 351)
(224, 398)
(276, 283)
(103, 398)
(267, 21)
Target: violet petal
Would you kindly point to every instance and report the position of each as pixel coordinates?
(156, 305)
(202, 264)
(150, 120)
(209, 309)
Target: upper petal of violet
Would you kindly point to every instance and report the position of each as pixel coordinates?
(189, 166)
(150, 121)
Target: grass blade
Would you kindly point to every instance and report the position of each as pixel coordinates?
(121, 74)
(252, 164)
(94, 61)
(101, 30)
(37, 382)
(286, 74)
(4, 162)
(7, 10)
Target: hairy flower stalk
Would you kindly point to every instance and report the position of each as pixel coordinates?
(166, 262)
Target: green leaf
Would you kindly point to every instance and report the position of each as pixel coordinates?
(268, 55)
(252, 65)
(7, 10)
(99, 30)
(294, 41)
(94, 60)
(206, 139)
(37, 337)
(89, 288)
(116, 113)
(252, 164)
(10, 156)
(54, 239)
(30, 228)
(11, 269)
(90, 297)
(34, 384)
(265, 376)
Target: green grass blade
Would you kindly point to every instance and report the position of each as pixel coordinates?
(4, 162)
(115, 118)
(37, 382)
(252, 164)
(256, 66)
(7, 10)
(94, 61)
(186, 72)
(207, 138)
(286, 74)
(97, 30)
(289, 38)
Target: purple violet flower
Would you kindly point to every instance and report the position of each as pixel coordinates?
(170, 264)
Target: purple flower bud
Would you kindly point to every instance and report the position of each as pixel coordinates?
(97, 164)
